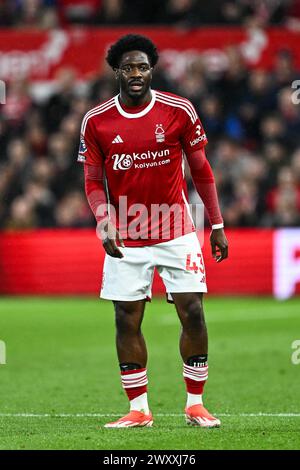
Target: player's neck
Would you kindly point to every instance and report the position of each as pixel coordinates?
(130, 102)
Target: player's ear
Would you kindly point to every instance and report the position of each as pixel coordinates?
(117, 73)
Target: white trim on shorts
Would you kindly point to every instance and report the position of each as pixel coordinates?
(125, 299)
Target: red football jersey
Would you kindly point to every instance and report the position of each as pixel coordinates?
(142, 151)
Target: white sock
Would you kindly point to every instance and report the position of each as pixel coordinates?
(140, 403)
(193, 400)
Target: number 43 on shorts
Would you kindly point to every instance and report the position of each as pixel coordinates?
(195, 263)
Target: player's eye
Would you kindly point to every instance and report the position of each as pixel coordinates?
(129, 68)
(126, 68)
(144, 68)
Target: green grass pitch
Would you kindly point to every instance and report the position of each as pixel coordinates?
(61, 380)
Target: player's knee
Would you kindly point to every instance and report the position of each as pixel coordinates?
(127, 318)
(193, 314)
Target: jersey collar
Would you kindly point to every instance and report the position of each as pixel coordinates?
(135, 115)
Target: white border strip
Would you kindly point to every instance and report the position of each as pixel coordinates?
(93, 111)
(183, 102)
(135, 115)
(176, 105)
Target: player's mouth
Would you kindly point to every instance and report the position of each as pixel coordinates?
(136, 86)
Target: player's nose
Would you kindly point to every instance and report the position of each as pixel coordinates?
(135, 73)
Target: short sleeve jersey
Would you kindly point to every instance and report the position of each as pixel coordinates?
(142, 151)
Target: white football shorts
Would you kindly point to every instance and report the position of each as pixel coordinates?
(179, 263)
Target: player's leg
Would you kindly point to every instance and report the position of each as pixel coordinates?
(127, 282)
(193, 349)
(132, 356)
(193, 339)
(180, 264)
(131, 347)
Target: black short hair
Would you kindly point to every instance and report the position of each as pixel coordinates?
(131, 42)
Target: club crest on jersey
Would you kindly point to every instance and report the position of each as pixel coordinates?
(159, 133)
(122, 162)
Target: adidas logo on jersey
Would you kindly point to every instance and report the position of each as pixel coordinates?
(117, 140)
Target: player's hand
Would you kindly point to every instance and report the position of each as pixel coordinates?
(109, 234)
(219, 244)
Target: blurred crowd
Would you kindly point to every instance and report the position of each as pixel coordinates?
(251, 118)
(184, 13)
(252, 124)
